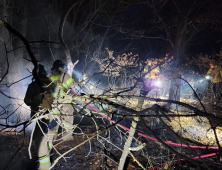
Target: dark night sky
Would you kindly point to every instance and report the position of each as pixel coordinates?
(134, 18)
(122, 26)
(149, 28)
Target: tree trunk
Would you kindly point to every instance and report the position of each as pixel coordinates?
(70, 64)
(175, 86)
(130, 137)
(16, 66)
(175, 82)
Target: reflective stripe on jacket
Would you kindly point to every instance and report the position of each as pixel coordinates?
(44, 160)
(63, 83)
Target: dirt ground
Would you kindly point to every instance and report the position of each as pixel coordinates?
(91, 155)
(14, 154)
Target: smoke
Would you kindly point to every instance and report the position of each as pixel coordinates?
(198, 83)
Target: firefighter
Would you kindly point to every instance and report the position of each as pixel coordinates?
(62, 109)
(215, 76)
(36, 99)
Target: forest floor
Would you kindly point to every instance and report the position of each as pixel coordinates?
(94, 155)
(14, 154)
(91, 155)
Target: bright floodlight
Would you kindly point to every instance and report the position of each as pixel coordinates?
(208, 77)
(158, 83)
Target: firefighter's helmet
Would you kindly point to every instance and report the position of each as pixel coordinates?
(41, 69)
(57, 64)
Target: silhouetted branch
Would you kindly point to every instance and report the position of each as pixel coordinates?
(28, 48)
(7, 64)
(7, 85)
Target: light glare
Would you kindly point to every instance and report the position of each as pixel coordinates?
(208, 77)
(158, 83)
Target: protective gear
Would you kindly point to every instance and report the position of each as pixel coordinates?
(216, 72)
(47, 101)
(34, 98)
(57, 64)
(62, 110)
(63, 83)
(44, 163)
(211, 63)
(42, 69)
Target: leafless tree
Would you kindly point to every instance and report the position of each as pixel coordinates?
(154, 125)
